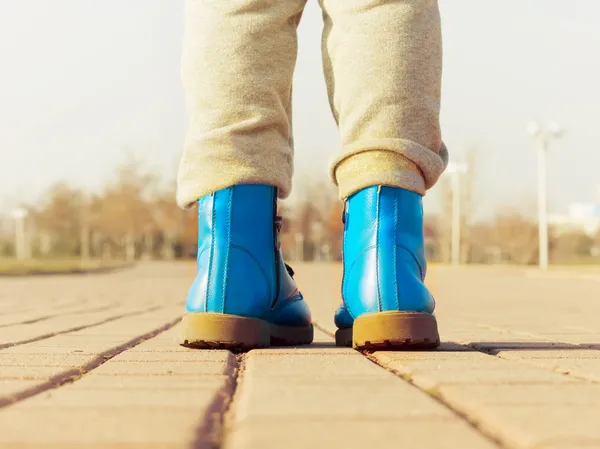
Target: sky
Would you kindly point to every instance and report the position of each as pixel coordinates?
(82, 84)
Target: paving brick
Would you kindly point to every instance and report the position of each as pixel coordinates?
(428, 381)
(274, 364)
(107, 399)
(334, 400)
(57, 346)
(468, 368)
(161, 395)
(359, 433)
(571, 443)
(55, 325)
(62, 360)
(149, 402)
(494, 398)
(583, 367)
(150, 382)
(31, 372)
(580, 394)
(531, 425)
(79, 427)
(9, 387)
(40, 372)
(571, 354)
(159, 369)
(187, 355)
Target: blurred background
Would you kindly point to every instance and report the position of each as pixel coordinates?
(92, 123)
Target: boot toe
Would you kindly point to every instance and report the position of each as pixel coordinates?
(342, 317)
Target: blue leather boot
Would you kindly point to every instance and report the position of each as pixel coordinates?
(244, 296)
(385, 301)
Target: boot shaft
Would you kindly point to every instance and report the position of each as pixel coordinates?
(384, 256)
(384, 217)
(237, 230)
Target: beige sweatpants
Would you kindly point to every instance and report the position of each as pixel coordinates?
(382, 62)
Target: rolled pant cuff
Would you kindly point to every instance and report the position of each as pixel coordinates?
(411, 167)
(197, 180)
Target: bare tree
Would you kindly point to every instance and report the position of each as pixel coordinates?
(571, 246)
(123, 212)
(516, 237)
(58, 220)
(177, 228)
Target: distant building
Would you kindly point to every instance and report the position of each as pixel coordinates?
(583, 217)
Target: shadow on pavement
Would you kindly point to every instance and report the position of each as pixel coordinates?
(490, 347)
(495, 346)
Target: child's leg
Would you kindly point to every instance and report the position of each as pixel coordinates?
(238, 61)
(383, 62)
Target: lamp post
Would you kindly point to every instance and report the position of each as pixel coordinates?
(20, 243)
(456, 170)
(542, 137)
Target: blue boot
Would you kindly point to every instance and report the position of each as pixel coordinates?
(244, 296)
(385, 301)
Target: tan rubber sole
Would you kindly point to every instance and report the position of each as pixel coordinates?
(221, 331)
(391, 330)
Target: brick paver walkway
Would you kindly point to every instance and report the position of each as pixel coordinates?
(92, 361)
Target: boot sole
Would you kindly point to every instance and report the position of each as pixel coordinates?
(391, 330)
(236, 333)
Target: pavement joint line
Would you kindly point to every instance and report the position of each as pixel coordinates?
(435, 395)
(540, 337)
(46, 317)
(77, 328)
(74, 374)
(490, 352)
(494, 352)
(593, 346)
(96, 309)
(219, 417)
(557, 370)
(29, 321)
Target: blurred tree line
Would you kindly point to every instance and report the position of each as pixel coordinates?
(134, 216)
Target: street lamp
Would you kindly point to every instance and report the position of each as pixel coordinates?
(542, 137)
(456, 170)
(20, 243)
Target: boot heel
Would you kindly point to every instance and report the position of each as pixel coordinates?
(221, 331)
(395, 330)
